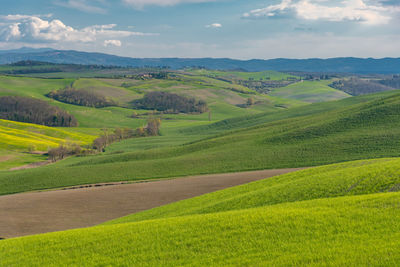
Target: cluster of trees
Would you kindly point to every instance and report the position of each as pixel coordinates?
(316, 77)
(356, 86)
(24, 109)
(64, 151)
(81, 98)
(170, 103)
(394, 82)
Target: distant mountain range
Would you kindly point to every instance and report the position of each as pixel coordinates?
(334, 65)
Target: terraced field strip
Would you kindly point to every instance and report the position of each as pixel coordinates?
(41, 212)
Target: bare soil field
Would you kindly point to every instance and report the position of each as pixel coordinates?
(83, 206)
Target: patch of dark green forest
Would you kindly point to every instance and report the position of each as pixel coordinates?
(24, 109)
(170, 103)
(81, 98)
(356, 86)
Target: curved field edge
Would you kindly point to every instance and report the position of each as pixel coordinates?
(356, 230)
(344, 179)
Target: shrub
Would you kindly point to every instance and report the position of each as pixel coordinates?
(153, 126)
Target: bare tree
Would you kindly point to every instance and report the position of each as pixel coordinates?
(153, 126)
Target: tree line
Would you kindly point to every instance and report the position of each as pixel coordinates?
(170, 103)
(24, 109)
(108, 137)
(81, 98)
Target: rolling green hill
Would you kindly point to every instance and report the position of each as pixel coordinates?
(358, 129)
(284, 220)
(309, 91)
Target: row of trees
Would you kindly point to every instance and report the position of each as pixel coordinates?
(24, 109)
(151, 129)
(81, 98)
(108, 137)
(170, 103)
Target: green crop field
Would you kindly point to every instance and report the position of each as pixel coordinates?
(252, 224)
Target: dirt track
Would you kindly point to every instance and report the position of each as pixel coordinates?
(40, 212)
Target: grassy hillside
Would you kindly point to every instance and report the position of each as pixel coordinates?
(344, 179)
(359, 131)
(241, 122)
(309, 91)
(357, 230)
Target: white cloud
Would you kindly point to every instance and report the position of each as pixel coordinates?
(303, 45)
(112, 43)
(141, 3)
(348, 10)
(309, 45)
(214, 25)
(23, 28)
(82, 5)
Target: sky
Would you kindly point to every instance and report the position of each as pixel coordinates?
(240, 29)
